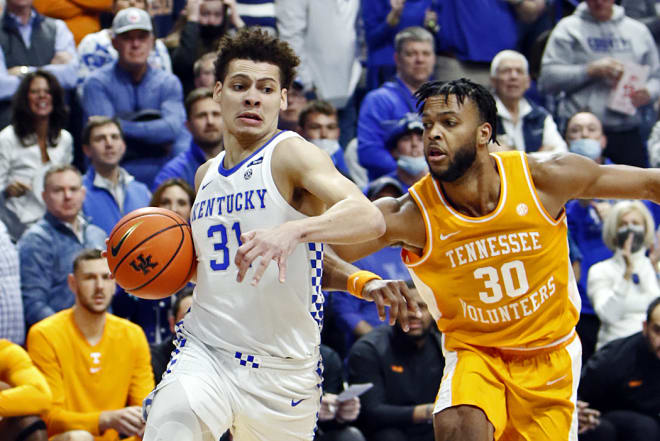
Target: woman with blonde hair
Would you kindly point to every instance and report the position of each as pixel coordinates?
(620, 288)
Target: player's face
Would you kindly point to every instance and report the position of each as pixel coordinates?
(176, 199)
(118, 5)
(321, 126)
(511, 81)
(415, 61)
(600, 9)
(652, 332)
(205, 123)
(106, 146)
(134, 47)
(251, 99)
(450, 136)
(410, 144)
(93, 285)
(64, 195)
(40, 100)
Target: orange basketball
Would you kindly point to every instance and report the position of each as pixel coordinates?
(150, 253)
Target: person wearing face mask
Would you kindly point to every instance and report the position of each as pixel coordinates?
(584, 136)
(319, 125)
(621, 287)
(198, 31)
(404, 142)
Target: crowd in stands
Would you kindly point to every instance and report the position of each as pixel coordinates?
(107, 106)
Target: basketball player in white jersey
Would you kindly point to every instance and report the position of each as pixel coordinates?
(247, 355)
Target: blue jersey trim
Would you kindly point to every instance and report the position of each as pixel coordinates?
(224, 172)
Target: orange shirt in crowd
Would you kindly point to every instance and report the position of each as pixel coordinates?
(80, 16)
(86, 380)
(29, 394)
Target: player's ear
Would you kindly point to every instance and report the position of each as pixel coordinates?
(283, 99)
(484, 132)
(216, 91)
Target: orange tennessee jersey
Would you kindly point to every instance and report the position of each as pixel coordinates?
(502, 280)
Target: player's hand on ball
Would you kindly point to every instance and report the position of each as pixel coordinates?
(396, 295)
(271, 244)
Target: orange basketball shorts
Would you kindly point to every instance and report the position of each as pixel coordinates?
(526, 396)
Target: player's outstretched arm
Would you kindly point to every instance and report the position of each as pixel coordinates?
(339, 275)
(562, 177)
(306, 177)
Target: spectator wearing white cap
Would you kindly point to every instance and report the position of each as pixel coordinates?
(147, 102)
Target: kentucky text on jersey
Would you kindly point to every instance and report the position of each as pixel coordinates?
(492, 246)
(241, 201)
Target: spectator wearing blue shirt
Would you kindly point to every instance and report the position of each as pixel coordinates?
(382, 20)
(28, 41)
(47, 249)
(319, 125)
(205, 125)
(147, 101)
(584, 136)
(384, 107)
(111, 191)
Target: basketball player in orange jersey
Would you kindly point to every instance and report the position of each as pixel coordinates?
(484, 237)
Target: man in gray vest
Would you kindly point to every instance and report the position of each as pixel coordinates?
(28, 41)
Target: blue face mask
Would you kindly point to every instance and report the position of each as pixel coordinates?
(586, 147)
(413, 165)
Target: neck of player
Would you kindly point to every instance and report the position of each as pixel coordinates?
(477, 192)
(240, 146)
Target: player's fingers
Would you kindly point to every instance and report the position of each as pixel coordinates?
(261, 268)
(281, 263)
(243, 259)
(398, 309)
(411, 300)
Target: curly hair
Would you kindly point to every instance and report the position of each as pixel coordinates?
(462, 88)
(22, 118)
(258, 46)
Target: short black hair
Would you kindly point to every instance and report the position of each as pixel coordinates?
(461, 89)
(259, 46)
(651, 308)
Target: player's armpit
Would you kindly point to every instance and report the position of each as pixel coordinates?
(404, 226)
(561, 177)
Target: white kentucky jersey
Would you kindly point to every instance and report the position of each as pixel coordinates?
(272, 319)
